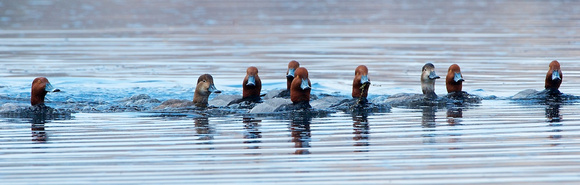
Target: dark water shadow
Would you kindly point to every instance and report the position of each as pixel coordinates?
(205, 132)
(554, 118)
(252, 134)
(360, 129)
(428, 124)
(454, 115)
(300, 132)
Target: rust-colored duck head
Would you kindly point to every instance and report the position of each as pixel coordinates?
(428, 77)
(203, 89)
(300, 87)
(290, 73)
(454, 79)
(252, 84)
(40, 86)
(554, 76)
(361, 82)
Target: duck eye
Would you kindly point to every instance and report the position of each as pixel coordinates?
(204, 81)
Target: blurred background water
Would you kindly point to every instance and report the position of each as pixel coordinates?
(100, 53)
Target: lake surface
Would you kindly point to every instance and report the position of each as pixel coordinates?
(101, 53)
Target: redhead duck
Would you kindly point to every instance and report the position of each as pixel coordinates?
(38, 111)
(553, 77)
(290, 74)
(454, 83)
(551, 87)
(360, 84)
(428, 77)
(454, 79)
(40, 86)
(300, 88)
(252, 85)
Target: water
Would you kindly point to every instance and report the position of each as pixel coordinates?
(101, 53)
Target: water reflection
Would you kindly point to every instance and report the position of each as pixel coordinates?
(428, 123)
(40, 115)
(204, 131)
(360, 128)
(300, 132)
(452, 114)
(252, 133)
(553, 118)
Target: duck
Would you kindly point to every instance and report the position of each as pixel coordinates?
(203, 89)
(290, 73)
(359, 102)
(300, 89)
(40, 87)
(252, 85)
(38, 110)
(205, 86)
(428, 77)
(361, 84)
(454, 84)
(299, 97)
(251, 88)
(553, 77)
(551, 91)
(454, 79)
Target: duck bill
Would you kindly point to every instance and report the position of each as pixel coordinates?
(212, 89)
(290, 73)
(433, 76)
(556, 75)
(50, 88)
(364, 79)
(251, 81)
(458, 78)
(304, 85)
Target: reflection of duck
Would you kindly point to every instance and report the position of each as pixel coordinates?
(38, 133)
(551, 90)
(361, 129)
(203, 129)
(300, 131)
(253, 134)
(428, 123)
(203, 89)
(553, 117)
(452, 114)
